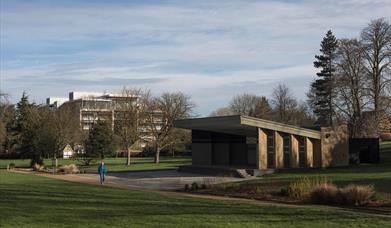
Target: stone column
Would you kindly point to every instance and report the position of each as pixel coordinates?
(294, 151)
(278, 150)
(317, 153)
(309, 152)
(261, 153)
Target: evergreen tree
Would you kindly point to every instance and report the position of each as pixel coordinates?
(323, 86)
(100, 141)
(24, 129)
(262, 109)
(21, 113)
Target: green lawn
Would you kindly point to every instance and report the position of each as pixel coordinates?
(32, 201)
(378, 175)
(114, 164)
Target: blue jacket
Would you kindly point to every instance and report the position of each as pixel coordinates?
(102, 169)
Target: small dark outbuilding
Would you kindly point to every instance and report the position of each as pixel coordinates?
(364, 150)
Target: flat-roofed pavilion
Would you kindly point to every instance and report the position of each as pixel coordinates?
(243, 141)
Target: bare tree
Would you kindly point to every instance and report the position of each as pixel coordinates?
(130, 113)
(251, 105)
(351, 95)
(376, 39)
(162, 111)
(6, 114)
(283, 102)
(226, 111)
(243, 104)
(300, 115)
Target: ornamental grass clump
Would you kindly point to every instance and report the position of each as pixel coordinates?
(301, 189)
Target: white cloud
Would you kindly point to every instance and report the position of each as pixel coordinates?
(194, 46)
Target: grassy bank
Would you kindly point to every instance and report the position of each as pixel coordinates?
(378, 175)
(32, 201)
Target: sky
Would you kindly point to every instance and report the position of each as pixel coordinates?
(208, 49)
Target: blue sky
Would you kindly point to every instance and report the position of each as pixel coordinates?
(209, 49)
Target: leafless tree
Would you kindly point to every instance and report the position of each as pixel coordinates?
(376, 39)
(351, 96)
(251, 105)
(243, 104)
(129, 113)
(300, 115)
(162, 111)
(226, 111)
(283, 102)
(5, 117)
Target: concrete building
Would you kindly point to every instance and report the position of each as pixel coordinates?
(55, 102)
(251, 143)
(89, 107)
(92, 106)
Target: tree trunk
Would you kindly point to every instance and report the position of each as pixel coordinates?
(128, 158)
(157, 155)
(54, 164)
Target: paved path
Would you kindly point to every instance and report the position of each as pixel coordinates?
(151, 180)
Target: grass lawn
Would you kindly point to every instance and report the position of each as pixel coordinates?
(32, 201)
(378, 175)
(114, 164)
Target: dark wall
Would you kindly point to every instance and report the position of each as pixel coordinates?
(364, 150)
(252, 154)
(201, 148)
(212, 148)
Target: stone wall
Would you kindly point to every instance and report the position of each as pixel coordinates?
(335, 146)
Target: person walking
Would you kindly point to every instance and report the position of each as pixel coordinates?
(102, 170)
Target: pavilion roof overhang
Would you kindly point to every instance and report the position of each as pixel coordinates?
(242, 125)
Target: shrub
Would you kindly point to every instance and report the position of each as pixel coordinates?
(37, 167)
(11, 166)
(302, 188)
(325, 193)
(187, 187)
(147, 151)
(69, 169)
(194, 186)
(204, 186)
(84, 159)
(284, 191)
(356, 195)
(349, 195)
(36, 161)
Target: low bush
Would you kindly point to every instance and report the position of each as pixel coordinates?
(84, 159)
(187, 187)
(37, 167)
(325, 193)
(194, 186)
(36, 161)
(349, 195)
(69, 169)
(11, 166)
(147, 151)
(204, 186)
(356, 195)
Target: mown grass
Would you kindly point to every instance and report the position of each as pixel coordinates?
(113, 164)
(32, 201)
